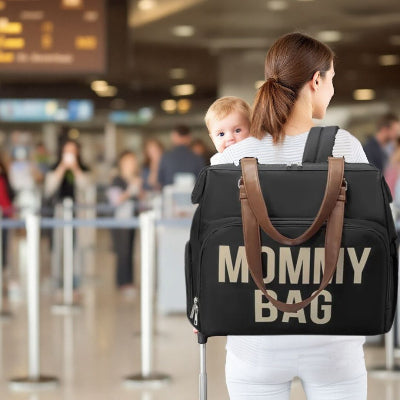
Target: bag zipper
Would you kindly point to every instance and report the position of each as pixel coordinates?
(195, 311)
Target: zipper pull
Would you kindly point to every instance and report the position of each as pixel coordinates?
(195, 311)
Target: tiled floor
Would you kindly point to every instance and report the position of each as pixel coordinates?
(91, 352)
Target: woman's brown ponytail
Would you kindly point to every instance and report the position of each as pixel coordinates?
(271, 109)
(290, 63)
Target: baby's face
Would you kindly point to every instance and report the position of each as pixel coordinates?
(229, 130)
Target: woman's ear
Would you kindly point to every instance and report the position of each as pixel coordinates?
(316, 81)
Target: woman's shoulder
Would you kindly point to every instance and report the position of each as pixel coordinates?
(348, 146)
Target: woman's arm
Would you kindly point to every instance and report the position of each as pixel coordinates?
(82, 178)
(53, 180)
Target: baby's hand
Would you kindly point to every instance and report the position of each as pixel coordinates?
(195, 331)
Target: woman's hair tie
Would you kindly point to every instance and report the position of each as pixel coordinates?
(275, 79)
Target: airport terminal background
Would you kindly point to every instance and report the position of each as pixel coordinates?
(116, 78)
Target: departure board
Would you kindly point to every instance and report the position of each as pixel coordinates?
(52, 36)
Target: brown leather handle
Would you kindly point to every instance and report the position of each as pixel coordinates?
(333, 238)
(257, 203)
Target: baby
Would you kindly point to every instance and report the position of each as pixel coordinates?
(228, 121)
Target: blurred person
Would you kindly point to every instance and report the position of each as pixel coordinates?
(24, 178)
(41, 158)
(200, 148)
(392, 177)
(392, 171)
(123, 194)
(180, 159)
(69, 176)
(6, 197)
(228, 122)
(379, 147)
(153, 151)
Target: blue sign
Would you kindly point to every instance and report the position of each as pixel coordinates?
(140, 117)
(45, 110)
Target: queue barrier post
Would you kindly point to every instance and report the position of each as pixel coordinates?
(34, 381)
(147, 377)
(67, 306)
(4, 314)
(56, 247)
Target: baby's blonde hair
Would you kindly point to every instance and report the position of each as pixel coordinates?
(224, 106)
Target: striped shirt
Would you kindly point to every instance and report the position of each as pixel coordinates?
(290, 151)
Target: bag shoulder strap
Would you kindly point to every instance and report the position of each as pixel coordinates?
(319, 145)
(332, 210)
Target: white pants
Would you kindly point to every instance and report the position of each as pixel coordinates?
(331, 372)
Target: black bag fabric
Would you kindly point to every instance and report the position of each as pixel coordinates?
(222, 298)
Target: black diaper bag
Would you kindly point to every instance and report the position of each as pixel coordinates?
(292, 249)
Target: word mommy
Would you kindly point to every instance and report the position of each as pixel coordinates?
(285, 269)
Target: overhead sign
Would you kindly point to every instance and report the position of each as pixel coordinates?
(45, 110)
(141, 117)
(52, 36)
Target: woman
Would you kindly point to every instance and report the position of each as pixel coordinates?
(69, 177)
(393, 168)
(6, 197)
(298, 87)
(153, 151)
(123, 194)
(392, 176)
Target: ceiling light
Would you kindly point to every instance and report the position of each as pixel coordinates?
(72, 3)
(258, 84)
(91, 16)
(364, 94)
(329, 36)
(169, 105)
(184, 105)
(389, 59)
(145, 5)
(183, 90)
(395, 40)
(177, 73)
(109, 91)
(277, 5)
(183, 30)
(4, 21)
(98, 85)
